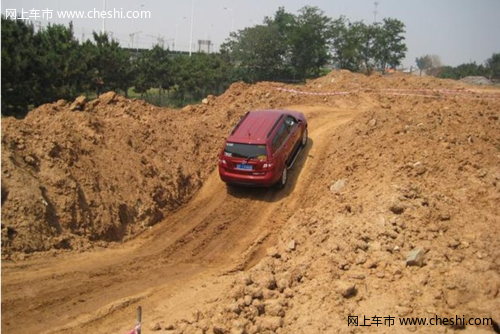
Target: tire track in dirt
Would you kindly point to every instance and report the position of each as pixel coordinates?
(220, 230)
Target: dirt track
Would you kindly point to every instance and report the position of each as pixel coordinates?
(218, 232)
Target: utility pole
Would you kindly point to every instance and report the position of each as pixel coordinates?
(133, 24)
(132, 38)
(232, 18)
(176, 30)
(191, 34)
(104, 16)
(375, 12)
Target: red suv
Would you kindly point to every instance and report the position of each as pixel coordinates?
(262, 147)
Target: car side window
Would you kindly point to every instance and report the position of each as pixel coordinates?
(280, 137)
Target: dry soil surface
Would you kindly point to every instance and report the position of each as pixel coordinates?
(119, 205)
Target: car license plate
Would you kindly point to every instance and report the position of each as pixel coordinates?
(244, 166)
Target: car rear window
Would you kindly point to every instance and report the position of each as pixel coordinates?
(245, 151)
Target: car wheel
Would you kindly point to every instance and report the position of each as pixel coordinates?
(304, 138)
(283, 178)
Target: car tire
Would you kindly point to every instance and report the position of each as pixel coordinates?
(304, 138)
(283, 178)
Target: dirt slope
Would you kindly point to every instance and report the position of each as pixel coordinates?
(75, 180)
(422, 174)
(420, 160)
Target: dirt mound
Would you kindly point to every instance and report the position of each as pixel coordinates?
(344, 80)
(416, 175)
(476, 80)
(102, 173)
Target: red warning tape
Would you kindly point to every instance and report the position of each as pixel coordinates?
(135, 330)
(402, 92)
(314, 93)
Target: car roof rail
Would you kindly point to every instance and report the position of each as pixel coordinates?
(239, 122)
(274, 125)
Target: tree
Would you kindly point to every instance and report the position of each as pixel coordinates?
(424, 63)
(262, 52)
(198, 75)
(367, 34)
(309, 42)
(111, 65)
(428, 63)
(43, 67)
(284, 22)
(284, 46)
(389, 48)
(470, 69)
(61, 74)
(357, 46)
(152, 69)
(445, 72)
(492, 66)
(19, 74)
(216, 74)
(343, 52)
(351, 44)
(256, 52)
(459, 72)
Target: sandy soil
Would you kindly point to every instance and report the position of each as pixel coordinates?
(120, 206)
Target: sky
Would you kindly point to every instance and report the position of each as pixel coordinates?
(458, 31)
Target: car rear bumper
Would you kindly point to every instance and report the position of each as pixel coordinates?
(266, 180)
